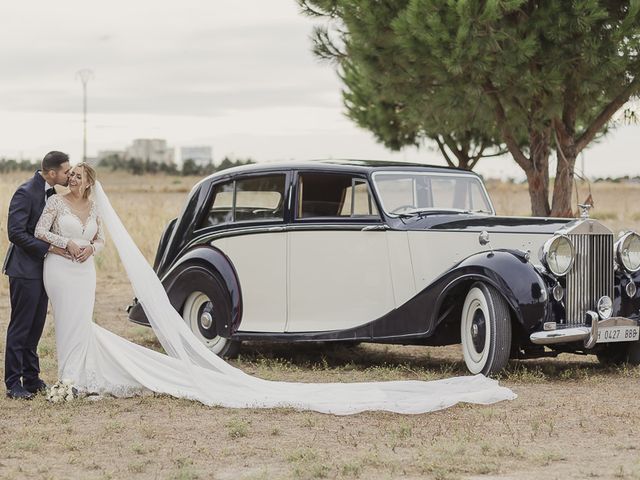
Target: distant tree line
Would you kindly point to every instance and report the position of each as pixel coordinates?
(10, 165)
(189, 167)
(135, 166)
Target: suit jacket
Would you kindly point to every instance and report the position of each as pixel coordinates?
(26, 253)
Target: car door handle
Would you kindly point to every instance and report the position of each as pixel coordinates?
(276, 229)
(372, 228)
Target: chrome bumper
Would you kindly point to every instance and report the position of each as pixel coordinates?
(587, 334)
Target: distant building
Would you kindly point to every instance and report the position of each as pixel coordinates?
(201, 155)
(93, 161)
(150, 149)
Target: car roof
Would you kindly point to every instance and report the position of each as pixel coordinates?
(346, 165)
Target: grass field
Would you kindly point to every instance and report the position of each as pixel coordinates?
(573, 418)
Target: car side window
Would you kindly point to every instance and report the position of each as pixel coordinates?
(247, 199)
(334, 195)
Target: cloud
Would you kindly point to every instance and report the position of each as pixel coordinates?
(201, 70)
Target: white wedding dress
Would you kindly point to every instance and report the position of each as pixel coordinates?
(98, 361)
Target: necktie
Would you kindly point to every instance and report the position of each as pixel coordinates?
(50, 191)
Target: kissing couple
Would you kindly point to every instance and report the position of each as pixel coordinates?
(55, 238)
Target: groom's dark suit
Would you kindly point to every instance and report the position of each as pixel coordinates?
(29, 300)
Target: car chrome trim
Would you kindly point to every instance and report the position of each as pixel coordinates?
(618, 252)
(588, 334)
(592, 274)
(546, 248)
(212, 236)
(563, 335)
(591, 340)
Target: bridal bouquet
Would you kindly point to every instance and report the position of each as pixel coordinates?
(62, 391)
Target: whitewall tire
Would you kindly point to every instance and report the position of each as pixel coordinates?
(485, 330)
(200, 315)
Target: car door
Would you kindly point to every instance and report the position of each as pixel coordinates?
(339, 275)
(251, 212)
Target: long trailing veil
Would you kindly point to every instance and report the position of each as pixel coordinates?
(215, 382)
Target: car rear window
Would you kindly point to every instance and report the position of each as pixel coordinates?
(257, 198)
(334, 195)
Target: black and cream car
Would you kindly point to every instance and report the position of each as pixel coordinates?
(354, 251)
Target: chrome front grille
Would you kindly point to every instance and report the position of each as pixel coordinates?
(591, 276)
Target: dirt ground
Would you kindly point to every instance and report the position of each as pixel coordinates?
(573, 418)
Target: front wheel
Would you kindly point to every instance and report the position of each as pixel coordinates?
(485, 330)
(202, 311)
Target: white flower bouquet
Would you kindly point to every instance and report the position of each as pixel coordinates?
(62, 391)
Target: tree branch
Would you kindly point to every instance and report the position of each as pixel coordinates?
(501, 119)
(605, 115)
(443, 150)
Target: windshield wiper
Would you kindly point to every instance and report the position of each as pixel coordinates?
(420, 212)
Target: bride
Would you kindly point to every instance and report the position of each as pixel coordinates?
(98, 361)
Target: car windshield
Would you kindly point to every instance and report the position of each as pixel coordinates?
(416, 193)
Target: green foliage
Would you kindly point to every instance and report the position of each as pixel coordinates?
(531, 74)
(10, 165)
(380, 95)
(189, 167)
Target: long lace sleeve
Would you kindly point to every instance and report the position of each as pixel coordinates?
(98, 240)
(48, 217)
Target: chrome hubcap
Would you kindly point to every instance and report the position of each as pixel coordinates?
(206, 320)
(478, 331)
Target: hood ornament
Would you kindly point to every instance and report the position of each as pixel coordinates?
(584, 209)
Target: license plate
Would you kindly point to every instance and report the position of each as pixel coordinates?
(618, 334)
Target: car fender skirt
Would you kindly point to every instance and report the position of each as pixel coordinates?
(193, 264)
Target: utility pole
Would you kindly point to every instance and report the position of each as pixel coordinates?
(84, 75)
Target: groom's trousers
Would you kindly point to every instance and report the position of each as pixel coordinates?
(28, 313)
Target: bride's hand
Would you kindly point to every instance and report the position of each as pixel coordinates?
(74, 249)
(85, 253)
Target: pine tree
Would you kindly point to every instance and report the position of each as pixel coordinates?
(540, 75)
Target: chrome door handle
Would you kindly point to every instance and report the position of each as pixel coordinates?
(373, 228)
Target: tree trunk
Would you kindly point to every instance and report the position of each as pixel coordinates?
(563, 187)
(538, 193)
(538, 173)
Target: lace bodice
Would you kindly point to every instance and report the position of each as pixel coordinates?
(58, 224)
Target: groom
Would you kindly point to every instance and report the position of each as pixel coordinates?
(23, 265)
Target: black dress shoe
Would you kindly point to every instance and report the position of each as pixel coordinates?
(18, 393)
(37, 387)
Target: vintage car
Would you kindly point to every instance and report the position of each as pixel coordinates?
(360, 251)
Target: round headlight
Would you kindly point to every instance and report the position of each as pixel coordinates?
(628, 251)
(557, 255)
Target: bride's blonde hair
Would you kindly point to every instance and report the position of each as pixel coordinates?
(90, 176)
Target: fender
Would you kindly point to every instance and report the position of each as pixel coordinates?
(511, 274)
(437, 305)
(211, 259)
(624, 306)
(162, 245)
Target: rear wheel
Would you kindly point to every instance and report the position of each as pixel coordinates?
(206, 307)
(485, 330)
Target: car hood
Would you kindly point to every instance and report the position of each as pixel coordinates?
(473, 223)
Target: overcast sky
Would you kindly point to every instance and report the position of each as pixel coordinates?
(237, 75)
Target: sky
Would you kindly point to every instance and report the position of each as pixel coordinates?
(237, 75)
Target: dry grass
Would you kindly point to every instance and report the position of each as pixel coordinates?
(573, 418)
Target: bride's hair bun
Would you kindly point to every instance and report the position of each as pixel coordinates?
(91, 177)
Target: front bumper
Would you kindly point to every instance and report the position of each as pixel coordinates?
(587, 333)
